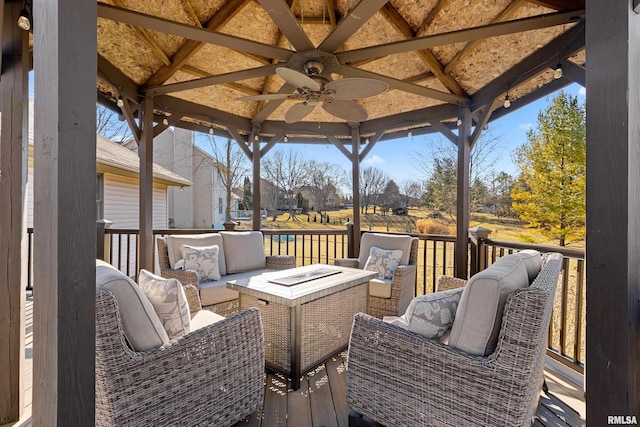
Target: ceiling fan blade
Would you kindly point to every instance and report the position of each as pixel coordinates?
(298, 112)
(297, 79)
(267, 97)
(356, 88)
(350, 111)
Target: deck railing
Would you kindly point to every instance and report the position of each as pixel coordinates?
(436, 257)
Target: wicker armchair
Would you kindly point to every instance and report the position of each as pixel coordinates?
(397, 377)
(403, 283)
(211, 376)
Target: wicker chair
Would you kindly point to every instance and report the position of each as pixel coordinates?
(403, 283)
(211, 376)
(397, 377)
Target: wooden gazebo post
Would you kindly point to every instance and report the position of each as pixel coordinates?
(613, 207)
(462, 214)
(145, 151)
(355, 176)
(13, 182)
(65, 62)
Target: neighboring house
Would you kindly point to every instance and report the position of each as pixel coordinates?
(117, 194)
(202, 205)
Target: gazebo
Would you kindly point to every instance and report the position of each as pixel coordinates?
(345, 72)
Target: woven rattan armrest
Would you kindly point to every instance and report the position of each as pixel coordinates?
(346, 262)
(193, 299)
(445, 283)
(186, 277)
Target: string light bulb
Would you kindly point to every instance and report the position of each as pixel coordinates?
(507, 102)
(459, 122)
(286, 138)
(557, 73)
(210, 131)
(410, 134)
(24, 23)
(120, 102)
(165, 121)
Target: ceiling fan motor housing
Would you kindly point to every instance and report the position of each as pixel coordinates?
(313, 68)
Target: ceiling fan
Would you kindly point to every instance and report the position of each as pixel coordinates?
(313, 88)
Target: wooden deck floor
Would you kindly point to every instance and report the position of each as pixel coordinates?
(321, 398)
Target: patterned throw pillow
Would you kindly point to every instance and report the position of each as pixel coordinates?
(203, 260)
(383, 261)
(429, 315)
(169, 302)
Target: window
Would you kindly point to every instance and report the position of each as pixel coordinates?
(220, 205)
(99, 196)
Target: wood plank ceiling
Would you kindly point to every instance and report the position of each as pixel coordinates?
(195, 57)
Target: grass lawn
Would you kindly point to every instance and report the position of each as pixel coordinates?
(511, 229)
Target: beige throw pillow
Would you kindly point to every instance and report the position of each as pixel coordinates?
(203, 260)
(169, 302)
(383, 261)
(429, 315)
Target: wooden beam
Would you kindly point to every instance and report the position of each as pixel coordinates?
(331, 10)
(402, 85)
(480, 124)
(560, 4)
(129, 115)
(282, 16)
(506, 14)
(350, 24)
(231, 77)
(396, 20)
(411, 119)
(564, 45)
(65, 66)
(462, 210)
(191, 47)
(271, 143)
(241, 143)
(235, 86)
(201, 112)
(145, 152)
(466, 35)
(574, 72)
(372, 142)
(431, 16)
(110, 74)
(446, 132)
(613, 203)
(167, 26)
(340, 146)
(14, 103)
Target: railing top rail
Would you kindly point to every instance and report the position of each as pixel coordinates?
(276, 231)
(565, 251)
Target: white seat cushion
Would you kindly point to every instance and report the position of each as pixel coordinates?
(207, 239)
(217, 292)
(169, 302)
(142, 326)
(243, 251)
(380, 288)
(204, 318)
(479, 314)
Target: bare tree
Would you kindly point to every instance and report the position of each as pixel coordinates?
(324, 180)
(372, 183)
(233, 166)
(288, 170)
(412, 191)
(110, 126)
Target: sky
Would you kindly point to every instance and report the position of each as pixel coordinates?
(396, 157)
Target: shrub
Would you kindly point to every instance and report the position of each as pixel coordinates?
(431, 226)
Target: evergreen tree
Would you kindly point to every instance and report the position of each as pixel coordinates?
(550, 191)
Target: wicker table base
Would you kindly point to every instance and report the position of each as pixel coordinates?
(305, 323)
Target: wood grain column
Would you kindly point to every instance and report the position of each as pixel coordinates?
(145, 152)
(13, 180)
(462, 216)
(65, 64)
(613, 211)
(355, 177)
